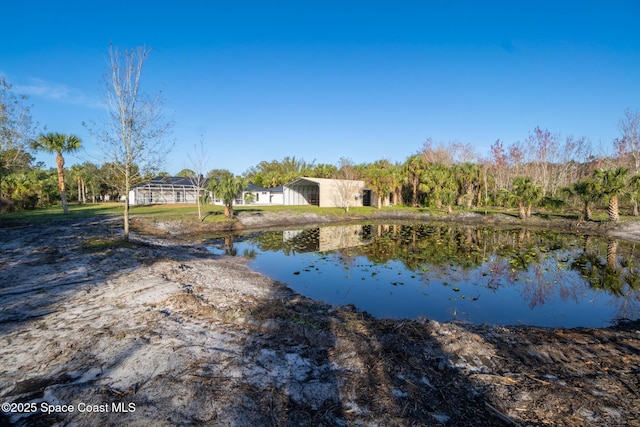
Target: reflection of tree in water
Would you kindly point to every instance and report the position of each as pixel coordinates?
(289, 243)
(612, 253)
(228, 245)
(542, 264)
(601, 273)
(416, 245)
(618, 275)
(535, 261)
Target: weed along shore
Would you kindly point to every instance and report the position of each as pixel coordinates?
(157, 331)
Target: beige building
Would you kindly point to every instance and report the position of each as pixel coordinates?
(327, 238)
(323, 192)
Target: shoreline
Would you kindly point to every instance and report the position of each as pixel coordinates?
(256, 221)
(190, 338)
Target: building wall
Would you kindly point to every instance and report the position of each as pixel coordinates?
(301, 193)
(312, 191)
(324, 192)
(276, 198)
(262, 198)
(338, 193)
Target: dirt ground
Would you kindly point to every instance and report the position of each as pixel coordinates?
(160, 332)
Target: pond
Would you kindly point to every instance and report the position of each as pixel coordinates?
(451, 273)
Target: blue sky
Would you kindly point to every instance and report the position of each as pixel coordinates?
(321, 80)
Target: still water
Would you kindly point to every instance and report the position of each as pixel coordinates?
(445, 272)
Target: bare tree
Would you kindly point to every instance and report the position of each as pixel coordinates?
(628, 145)
(541, 150)
(573, 155)
(462, 152)
(436, 153)
(198, 160)
(499, 165)
(348, 187)
(16, 130)
(133, 136)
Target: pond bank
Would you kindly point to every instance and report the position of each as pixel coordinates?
(247, 221)
(193, 339)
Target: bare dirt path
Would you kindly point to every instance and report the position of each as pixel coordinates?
(159, 332)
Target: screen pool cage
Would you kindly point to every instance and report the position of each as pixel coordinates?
(165, 190)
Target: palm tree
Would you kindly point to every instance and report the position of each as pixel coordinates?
(634, 193)
(414, 167)
(324, 170)
(587, 190)
(397, 177)
(526, 193)
(379, 177)
(58, 143)
(439, 184)
(78, 172)
(468, 177)
(227, 188)
(612, 183)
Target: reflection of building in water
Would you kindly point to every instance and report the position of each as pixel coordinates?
(325, 238)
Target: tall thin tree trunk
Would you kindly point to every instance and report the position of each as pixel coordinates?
(79, 190)
(587, 211)
(63, 191)
(126, 219)
(612, 210)
(522, 213)
(127, 187)
(198, 202)
(414, 200)
(612, 252)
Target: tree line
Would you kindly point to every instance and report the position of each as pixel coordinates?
(542, 170)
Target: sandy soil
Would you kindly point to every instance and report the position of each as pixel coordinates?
(160, 332)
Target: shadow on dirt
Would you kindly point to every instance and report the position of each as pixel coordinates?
(44, 265)
(322, 365)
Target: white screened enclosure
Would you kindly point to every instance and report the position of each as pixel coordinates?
(165, 190)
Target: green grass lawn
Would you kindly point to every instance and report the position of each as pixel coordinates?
(212, 213)
(55, 212)
(216, 213)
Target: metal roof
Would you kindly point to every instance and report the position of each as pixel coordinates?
(170, 181)
(174, 181)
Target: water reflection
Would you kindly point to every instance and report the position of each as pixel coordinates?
(445, 272)
(617, 275)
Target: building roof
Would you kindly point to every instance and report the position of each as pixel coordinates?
(253, 187)
(170, 181)
(321, 180)
(179, 181)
